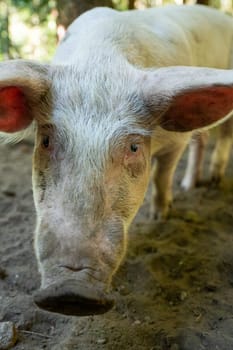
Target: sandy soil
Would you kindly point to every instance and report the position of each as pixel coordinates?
(174, 290)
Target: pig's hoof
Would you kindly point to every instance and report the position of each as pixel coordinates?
(71, 298)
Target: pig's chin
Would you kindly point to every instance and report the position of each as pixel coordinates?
(78, 295)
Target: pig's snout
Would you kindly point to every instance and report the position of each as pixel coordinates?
(71, 297)
(76, 271)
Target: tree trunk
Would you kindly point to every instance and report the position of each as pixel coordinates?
(69, 10)
(203, 2)
(131, 5)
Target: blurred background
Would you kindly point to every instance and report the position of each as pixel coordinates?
(31, 29)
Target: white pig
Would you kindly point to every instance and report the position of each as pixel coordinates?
(219, 159)
(121, 89)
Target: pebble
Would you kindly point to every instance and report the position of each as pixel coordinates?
(183, 295)
(8, 335)
(101, 341)
(137, 322)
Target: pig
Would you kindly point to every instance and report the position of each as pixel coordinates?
(123, 88)
(219, 159)
(222, 151)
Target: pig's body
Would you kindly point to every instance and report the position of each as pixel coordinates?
(161, 37)
(166, 36)
(108, 103)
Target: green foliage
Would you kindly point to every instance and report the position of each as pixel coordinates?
(41, 8)
(121, 4)
(4, 35)
(22, 22)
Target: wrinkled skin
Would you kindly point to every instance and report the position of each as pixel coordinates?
(100, 116)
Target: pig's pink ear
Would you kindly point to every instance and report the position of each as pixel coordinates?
(197, 109)
(188, 98)
(23, 84)
(15, 113)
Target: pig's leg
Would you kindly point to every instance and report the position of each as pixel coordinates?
(222, 151)
(162, 179)
(195, 160)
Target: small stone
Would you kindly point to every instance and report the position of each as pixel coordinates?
(101, 341)
(137, 322)
(8, 335)
(183, 295)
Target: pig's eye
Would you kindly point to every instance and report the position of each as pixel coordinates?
(45, 141)
(133, 147)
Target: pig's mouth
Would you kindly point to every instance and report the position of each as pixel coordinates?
(74, 297)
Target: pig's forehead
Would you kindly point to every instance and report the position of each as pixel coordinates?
(88, 139)
(95, 89)
(96, 106)
(95, 110)
(88, 146)
(95, 130)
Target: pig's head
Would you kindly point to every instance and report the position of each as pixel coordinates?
(92, 161)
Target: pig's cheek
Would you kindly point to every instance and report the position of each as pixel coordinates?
(114, 248)
(46, 244)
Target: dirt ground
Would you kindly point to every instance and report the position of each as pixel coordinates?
(174, 290)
